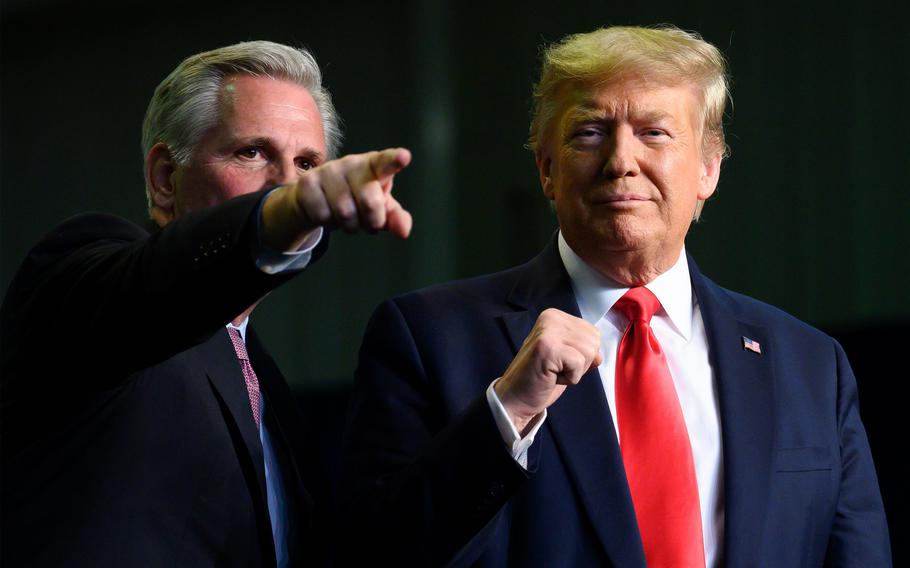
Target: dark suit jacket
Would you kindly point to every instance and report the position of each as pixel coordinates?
(429, 480)
(128, 438)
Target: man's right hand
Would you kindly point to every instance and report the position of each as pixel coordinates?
(353, 193)
(558, 351)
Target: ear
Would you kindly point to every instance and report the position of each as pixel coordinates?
(159, 179)
(710, 175)
(544, 163)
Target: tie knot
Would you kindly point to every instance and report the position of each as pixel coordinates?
(638, 303)
(239, 345)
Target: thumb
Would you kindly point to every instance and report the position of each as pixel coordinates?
(398, 219)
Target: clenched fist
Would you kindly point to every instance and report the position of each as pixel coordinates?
(558, 351)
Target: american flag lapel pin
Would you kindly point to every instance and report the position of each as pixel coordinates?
(751, 345)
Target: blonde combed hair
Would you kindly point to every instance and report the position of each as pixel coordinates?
(664, 54)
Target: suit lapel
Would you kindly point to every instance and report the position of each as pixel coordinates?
(583, 430)
(744, 384)
(580, 421)
(227, 380)
(286, 424)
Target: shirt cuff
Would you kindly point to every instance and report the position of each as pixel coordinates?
(517, 445)
(272, 261)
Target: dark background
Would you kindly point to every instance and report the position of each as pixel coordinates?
(810, 215)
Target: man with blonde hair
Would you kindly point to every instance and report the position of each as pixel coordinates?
(605, 404)
(143, 422)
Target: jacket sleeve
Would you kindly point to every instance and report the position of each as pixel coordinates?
(99, 288)
(422, 482)
(859, 533)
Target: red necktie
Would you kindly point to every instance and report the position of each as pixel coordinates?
(252, 382)
(655, 443)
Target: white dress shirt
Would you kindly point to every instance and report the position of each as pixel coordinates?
(679, 328)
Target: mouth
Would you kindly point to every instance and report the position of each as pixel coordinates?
(620, 201)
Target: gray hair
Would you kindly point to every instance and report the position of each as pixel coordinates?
(185, 104)
(664, 53)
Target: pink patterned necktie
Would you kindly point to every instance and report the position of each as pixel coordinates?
(252, 383)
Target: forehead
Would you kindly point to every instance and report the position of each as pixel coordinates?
(629, 98)
(252, 89)
(250, 103)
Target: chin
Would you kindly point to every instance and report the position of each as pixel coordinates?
(623, 236)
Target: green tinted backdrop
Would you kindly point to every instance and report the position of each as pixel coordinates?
(810, 215)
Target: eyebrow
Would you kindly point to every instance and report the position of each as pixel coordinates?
(587, 113)
(313, 155)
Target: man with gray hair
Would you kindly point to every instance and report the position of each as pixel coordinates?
(143, 422)
(605, 404)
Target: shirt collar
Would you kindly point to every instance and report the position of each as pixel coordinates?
(596, 293)
(241, 328)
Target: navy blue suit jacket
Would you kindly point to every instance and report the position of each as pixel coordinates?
(429, 481)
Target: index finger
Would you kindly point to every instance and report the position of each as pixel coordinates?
(389, 162)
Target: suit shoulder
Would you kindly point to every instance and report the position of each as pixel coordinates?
(84, 229)
(477, 291)
(87, 227)
(75, 233)
(769, 316)
(80, 232)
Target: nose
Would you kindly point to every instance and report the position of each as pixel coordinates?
(283, 171)
(620, 154)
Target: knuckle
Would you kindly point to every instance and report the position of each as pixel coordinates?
(575, 358)
(550, 313)
(375, 222)
(593, 343)
(547, 318)
(344, 209)
(541, 349)
(332, 167)
(307, 184)
(319, 215)
(372, 201)
(546, 343)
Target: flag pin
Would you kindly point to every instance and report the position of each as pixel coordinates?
(751, 345)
